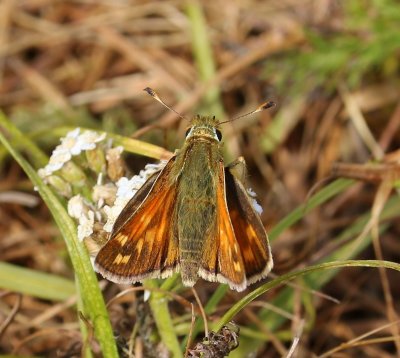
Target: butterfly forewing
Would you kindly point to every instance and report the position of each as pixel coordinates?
(129, 210)
(249, 230)
(143, 245)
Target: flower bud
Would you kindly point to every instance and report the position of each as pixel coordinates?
(60, 185)
(73, 174)
(96, 160)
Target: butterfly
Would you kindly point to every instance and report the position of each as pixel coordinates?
(194, 216)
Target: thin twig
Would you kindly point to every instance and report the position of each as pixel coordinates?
(296, 339)
(201, 308)
(355, 340)
(10, 317)
(359, 122)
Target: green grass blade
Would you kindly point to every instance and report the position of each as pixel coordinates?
(321, 197)
(236, 308)
(35, 283)
(21, 142)
(95, 309)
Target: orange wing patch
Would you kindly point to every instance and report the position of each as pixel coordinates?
(222, 258)
(249, 231)
(145, 245)
(230, 262)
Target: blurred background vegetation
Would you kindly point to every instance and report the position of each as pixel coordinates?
(333, 69)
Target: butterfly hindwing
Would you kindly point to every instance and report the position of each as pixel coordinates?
(249, 230)
(222, 260)
(142, 243)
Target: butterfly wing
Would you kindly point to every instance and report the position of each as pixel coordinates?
(249, 230)
(130, 208)
(222, 259)
(143, 243)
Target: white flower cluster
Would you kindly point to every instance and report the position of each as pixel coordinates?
(79, 209)
(71, 145)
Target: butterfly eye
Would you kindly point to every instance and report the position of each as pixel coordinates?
(219, 134)
(188, 131)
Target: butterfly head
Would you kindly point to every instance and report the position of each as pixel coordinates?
(204, 127)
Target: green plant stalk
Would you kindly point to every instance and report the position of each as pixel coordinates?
(170, 282)
(203, 55)
(237, 307)
(159, 307)
(86, 351)
(94, 307)
(35, 283)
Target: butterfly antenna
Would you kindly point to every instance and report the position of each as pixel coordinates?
(261, 108)
(154, 94)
